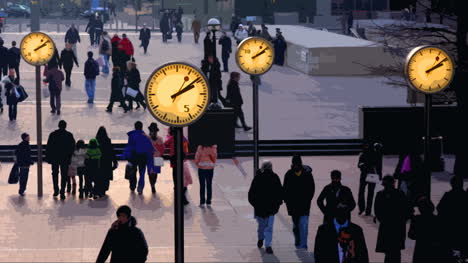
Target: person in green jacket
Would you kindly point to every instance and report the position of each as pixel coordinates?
(93, 158)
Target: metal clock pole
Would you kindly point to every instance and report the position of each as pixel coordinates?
(255, 80)
(427, 143)
(178, 196)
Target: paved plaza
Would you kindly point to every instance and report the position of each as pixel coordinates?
(293, 105)
(49, 230)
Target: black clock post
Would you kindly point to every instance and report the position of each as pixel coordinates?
(178, 195)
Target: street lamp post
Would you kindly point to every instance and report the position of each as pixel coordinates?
(213, 26)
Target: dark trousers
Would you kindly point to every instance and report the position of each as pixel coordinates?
(17, 72)
(23, 179)
(179, 37)
(164, 37)
(68, 71)
(225, 59)
(64, 178)
(393, 256)
(97, 37)
(3, 70)
(88, 183)
(145, 45)
(196, 36)
(370, 195)
(55, 100)
(121, 101)
(140, 161)
(12, 111)
(238, 113)
(80, 172)
(152, 177)
(139, 99)
(174, 176)
(91, 38)
(205, 177)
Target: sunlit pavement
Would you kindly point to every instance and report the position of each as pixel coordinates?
(50, 230)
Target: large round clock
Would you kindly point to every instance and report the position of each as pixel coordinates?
(429, 69)
(37, 48)
(255, 55)
(177, 94)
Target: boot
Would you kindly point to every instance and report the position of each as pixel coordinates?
(186, 202)
(73, 189)
(81, 194)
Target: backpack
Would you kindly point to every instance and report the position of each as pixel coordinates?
(105, 46)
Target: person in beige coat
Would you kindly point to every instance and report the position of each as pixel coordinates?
(205, 160)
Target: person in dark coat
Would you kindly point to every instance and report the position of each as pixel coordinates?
(226, 50)
(340, 241)
(14, 59)
(11, 100)
(234, 99)
(23, 161)
(59, 150)
(98, 29)
(179, 30)
(145, 36)
(425, 228)
(108, 161)
(115, 40)
(234, 24)
(350, 21)
(453, 213)
(91, 71)
(91, 29)
(336, 196)
(116, 91)
(67, 58)
(265, 34)
(124, 240)
(368, 165)
(212, 69)
(251, 30)
(133, 80)
(409, 171)
(55, 78)
(392, 210)
(55, 61)
(207, 45)
(164, 26)
(72, 37)
(196, 27)
(299, 189)
(280, 46)
(266, 197)
(3, 62)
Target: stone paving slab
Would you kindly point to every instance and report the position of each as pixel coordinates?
(49, 230)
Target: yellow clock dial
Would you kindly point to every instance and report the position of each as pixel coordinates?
(255, 55)
(37, 48)
(177, 94)
(429, 69)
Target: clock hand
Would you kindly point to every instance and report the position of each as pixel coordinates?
(173, 99)
(41, 46)
(187, 88)
(260, 53)
(440, 64)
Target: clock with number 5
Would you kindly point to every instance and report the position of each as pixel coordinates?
(37, 48)
(177, 94)
(255, 55)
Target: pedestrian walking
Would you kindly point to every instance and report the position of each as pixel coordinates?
(91, 70)
(212, 69)
(234, 99)
(112, 9)
(205, 159)
(11, 96)
(350, 21)
(158, 160)
(299, 188)
(266, 197)
(265, 34)
(368, 165)
(78, 168)
(208, 46)
(280, 47)
(93, 162)
(117, 85)
(108, 162)
(139, 152)
(343, 19)
(251, 30)
(196, 28)
(98, 30)
(55, 78)
(114, 43)
(91, 30)
(409, 171)
(226, 50)
(59, 150)
(72, 37)
(392, 210)
(179, 13)
(165, 26)
(145, 36)
(124, 240)
(54, 61)
(336, 196)
(105, 51)
(23, 161)
(240, 34)
(179, 29)
(187, 177)
(234, 24)
(3, 62)
(133, 80)
(14, 59)
(340, 241)
(127, 46)
(67, 58)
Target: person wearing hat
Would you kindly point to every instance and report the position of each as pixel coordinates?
(124, 240)
(280, 47)
(158, 145)
(299, 188)
(23, 161)
(145, 36)
(392, 209)
(265, 34)
(240, 34)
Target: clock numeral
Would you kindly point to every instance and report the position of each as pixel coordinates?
(186, 108)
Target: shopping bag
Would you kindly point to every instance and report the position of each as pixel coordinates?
(100, 60)
(45, 92)
(158, 161)
(130, 171)
(22, 92)
(17, 94)
(14, 175)
(372, 178)
(131, 92)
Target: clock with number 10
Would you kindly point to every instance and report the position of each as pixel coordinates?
(37, 48)
(255, 55)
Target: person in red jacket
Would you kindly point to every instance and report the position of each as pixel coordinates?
(127, 45)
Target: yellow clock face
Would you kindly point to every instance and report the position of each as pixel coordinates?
(429, 69)
(37, 48)
(255, 55)
(177, 94)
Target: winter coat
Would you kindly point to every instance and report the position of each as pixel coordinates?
(169, 144)
(213, 72)
(164, 24)
(392, 210)
(145, 36)
(266, 35)
(3, 54)
(158, 145)
(133, 79)
(108, 158)
(196, 26)
(14, 57)
(55, 61)
(127, 243)
(333, 196)
(205, 157)
(226, 45)
(55, 78)
(105, 46)
(23, 154)
(91, 69)
(93, 153)
(116, 87)
(179, 28)
(207, 46)
(91, 26)
(241, 35)
(280, 46)
(428, 235)
(298, 191)
(67, 57)
(266, 193)
(326, 244)
(127, 46)
(98, 26)
(453, 213)
(60, 147)
(367, 162)
(10, 94)
(234, 96)
(138, 144)
(78, 158)
(72, 36)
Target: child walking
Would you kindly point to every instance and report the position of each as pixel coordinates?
(93, 158)
(77, 167)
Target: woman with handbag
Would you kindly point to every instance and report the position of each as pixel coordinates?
(205, 160)
(12, 97)
(133, 80)
(158, 160)
(369, 177)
